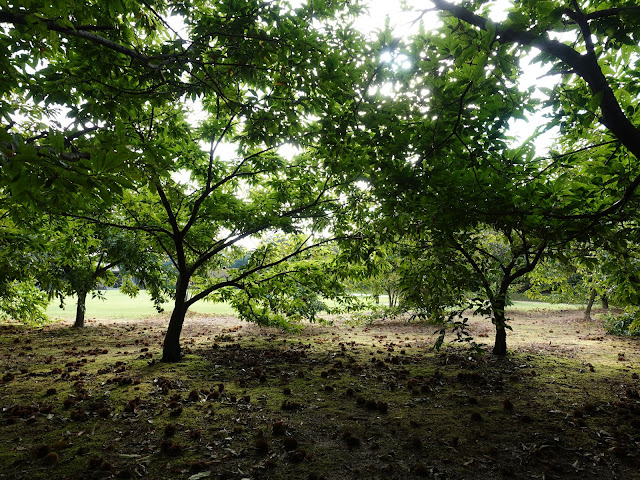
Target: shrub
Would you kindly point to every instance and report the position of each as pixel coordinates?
(24, 302)
(626, 323)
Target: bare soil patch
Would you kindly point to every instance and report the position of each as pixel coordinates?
(332, 402)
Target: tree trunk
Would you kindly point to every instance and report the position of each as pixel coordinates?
(500, 321)
(605, 301)
(80, 308)
(171, 351)
(592, 299)
(500, 345)
(392, 298)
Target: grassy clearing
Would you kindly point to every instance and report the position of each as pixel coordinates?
(531, 305)
(113, 304)
(332, 402)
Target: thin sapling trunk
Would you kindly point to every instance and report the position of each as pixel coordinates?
(592, 299)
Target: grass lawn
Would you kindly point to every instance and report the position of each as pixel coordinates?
(529, 305)
(115, 304)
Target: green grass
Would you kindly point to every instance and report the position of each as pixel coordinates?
(528, 305)
(115, 304)
(519, 304)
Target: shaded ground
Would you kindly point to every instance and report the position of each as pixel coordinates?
(332, 402)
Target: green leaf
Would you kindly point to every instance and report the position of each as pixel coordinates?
(595, 101)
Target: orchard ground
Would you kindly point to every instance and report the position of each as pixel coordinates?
(334, 402)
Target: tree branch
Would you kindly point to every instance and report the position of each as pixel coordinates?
(152, 62)
(580, 19)
(585, 66)
(612, 12)
(262, 266)
(212, 187)
(479, 271)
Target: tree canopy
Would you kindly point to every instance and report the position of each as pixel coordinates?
(241, 77)
(433, 134)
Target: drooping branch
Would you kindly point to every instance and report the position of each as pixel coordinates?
(585, 66)
(301, 248)
(153, 62)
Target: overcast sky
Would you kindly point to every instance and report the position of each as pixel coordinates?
(404, 21)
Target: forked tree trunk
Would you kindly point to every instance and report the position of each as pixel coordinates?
(393, 298)
(171, 351)
(592, 299)
(80, 308)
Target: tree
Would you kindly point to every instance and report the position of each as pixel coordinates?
(445, 177)
(443, 270)
(259, 72)
(52, 164)
(595, 87)
(81, 258)
(437, 153)
(498, 259)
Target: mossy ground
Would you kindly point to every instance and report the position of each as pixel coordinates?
(335, 402)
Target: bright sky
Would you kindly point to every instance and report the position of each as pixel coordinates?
(404, 24)
(403, 20)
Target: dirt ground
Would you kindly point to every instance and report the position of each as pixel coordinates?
(331, 402)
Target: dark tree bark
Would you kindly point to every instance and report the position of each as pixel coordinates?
(500, 321)
(81, 308)
(592, 299)
(500, 344)
(171, 351)
(605, 301)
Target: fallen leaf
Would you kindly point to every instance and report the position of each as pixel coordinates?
(200, 475)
